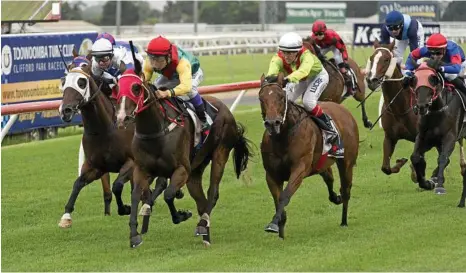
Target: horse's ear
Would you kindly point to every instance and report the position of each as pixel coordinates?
(376, 43)
(75, 53)
(391, 46)
(280, 78)
(262, 78)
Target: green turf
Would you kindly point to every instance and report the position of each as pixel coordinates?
(392, 225)
(23, 10)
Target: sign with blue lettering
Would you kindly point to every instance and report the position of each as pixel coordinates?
(31, 70)
(365, 34)
(425, 11)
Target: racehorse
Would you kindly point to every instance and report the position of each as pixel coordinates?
(336, 86)
(292, 149)
(107, 149)
(442, 110)
(164, 143)
(399, 120)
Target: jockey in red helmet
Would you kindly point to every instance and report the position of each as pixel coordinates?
(329, 40)
(178, 71)
(449, 52)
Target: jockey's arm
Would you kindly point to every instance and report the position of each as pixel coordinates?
(186, 78)
(275, 66)
(147, 70)
(454, 67)
(338, 42)
(307, 62)
(413, 35)
(385, 36)
(414, 56)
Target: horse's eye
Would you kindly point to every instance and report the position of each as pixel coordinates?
(136, 88)
(82, 83)
(387, 61)
(434, 80)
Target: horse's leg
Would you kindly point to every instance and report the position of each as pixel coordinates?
(446, 149)
(219, 159)
(178, 180)
(141, 187)
(276, 188)
(295, 180)
(107, 192)
(345, 168)
(196, 191)
(125, 174)
(327, 175)
(146, 208)
(419, 164)
(463, 195)
(388, 149)
(462, 160)
(359, 96)
(87, 176)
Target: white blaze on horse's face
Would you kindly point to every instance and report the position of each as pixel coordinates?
(122, 111)
(375, 62)
(71, 81)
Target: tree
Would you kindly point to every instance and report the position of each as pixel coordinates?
(72, 11)
(146, 14)
(454, 11)
(129, 13)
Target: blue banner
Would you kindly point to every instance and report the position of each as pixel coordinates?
(31, 70)
(365, 34)
(425, 11)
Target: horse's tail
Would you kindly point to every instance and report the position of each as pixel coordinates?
(241, 151)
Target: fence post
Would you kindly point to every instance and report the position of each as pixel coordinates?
(8, 125)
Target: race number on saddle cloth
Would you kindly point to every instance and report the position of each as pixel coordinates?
(329, 40)
(110, 61)
(452, 56)
(180, 73)
(306, 77)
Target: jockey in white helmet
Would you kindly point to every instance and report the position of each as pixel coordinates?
(305, 76)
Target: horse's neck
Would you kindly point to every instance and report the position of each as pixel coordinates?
(96, 117)
(391, 88)
(293, 117)
(150, 121)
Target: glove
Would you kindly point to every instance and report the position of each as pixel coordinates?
(407, 80)
(285, 82)
(108, 78)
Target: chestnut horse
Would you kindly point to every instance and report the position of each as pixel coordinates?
(336, 86)
(292, 149)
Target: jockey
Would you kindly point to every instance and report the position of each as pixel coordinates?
(178, 71)
(110, 61)
(439, 48)
(305, 76)
(405, 31)
(329, 40)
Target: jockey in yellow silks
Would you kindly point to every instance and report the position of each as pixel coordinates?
(179, 72)
(305, 76)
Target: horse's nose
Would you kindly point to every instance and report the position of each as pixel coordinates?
(66, 113)
(273, 122)
(67, 110)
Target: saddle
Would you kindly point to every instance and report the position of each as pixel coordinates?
(348, 81)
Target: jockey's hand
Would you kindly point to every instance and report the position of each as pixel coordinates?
(285, 82)
(162, 94)
(407, 80)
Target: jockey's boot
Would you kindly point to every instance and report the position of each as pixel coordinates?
(347, 77)
(459, 84)
(200, 112)
(319, 113)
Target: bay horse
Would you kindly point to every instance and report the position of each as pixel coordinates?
(163, 145)
(399, 121)
(336, 86)
(107, 148)
(442, 110)
(292, 147)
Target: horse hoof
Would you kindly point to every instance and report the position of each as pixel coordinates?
(440, 190)
(65, 223)
(107, 213)
(273, 228)
(135, 241)
(145, 210)
(386, 171)
(179, 194)
(206, 243)
(336, 199)
(125, 210)
(401, 161)
(368, 124)
(201, 230)
(181, 216)
(461, 204)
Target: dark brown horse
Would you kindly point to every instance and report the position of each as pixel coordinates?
(163, 146)
(442, 110)
(399, 120)
(107, 149)
(336, 86)
(292, 149)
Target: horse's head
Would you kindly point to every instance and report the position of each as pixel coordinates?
(274, 102)
(78, 87)
(427, 86)
(133, 97)
(380, 65)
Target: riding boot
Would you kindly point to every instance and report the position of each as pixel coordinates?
(200, 112)
(459, 84)
(344, 70)
(318, 113)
